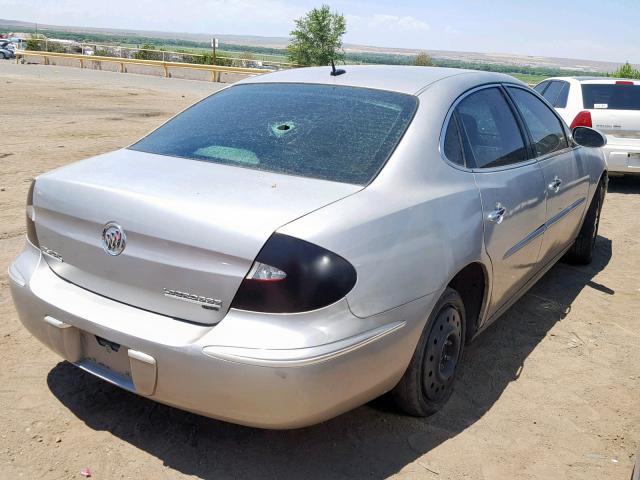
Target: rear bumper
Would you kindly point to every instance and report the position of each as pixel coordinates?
(622, 158)
(257, 370)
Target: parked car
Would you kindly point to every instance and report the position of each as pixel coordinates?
(300, 243)
(7, 49)
(611, 105)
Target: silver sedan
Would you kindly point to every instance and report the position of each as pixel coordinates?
(300, 243)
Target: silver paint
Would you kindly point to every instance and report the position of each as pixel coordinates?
(197, 227)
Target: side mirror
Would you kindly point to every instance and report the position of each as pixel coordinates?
(588, 137)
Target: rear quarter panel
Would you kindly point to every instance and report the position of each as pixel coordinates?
(415, 226)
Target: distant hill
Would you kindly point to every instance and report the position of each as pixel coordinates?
(498, 59)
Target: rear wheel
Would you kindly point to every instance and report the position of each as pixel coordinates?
(581, 252)
(428, 382)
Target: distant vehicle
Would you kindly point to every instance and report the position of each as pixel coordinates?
(7, 50)
(347, 241)
(611, 105)
(7, 45)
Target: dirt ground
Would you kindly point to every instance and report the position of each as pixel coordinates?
(550, 391)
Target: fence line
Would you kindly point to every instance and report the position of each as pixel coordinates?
(120, 51)
(215, 70)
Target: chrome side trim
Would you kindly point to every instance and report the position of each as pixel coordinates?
(543, 228)
(526, 240)
(556, 218)
(300, 357)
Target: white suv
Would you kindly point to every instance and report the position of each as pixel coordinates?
(610, 105)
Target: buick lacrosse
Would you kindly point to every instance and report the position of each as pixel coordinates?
(302, 242)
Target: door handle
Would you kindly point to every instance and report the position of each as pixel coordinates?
(497, 215)
(555, 185)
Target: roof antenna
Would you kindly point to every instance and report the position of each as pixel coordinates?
(334, 72)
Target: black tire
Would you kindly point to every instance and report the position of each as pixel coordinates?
(581, 252)
(428, 382)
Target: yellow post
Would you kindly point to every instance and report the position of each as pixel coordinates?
(166, 70)
(81, 63)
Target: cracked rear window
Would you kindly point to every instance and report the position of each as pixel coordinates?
(337, 133)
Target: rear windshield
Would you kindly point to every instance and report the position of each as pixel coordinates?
(337, 133)
(611, 96)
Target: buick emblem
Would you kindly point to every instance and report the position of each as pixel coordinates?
(113, 239)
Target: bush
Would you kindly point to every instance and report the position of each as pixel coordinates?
(627, 71)
(423, 59)
(34, 44)
(55, 47)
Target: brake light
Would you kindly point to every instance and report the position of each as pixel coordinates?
(290, 275)
(32, 236)
(583, 119)
(624, 82)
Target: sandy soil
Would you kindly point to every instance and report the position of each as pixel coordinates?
(552, 390)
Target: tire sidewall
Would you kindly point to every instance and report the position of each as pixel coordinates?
(450, 298)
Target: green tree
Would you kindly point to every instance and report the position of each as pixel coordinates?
(423, 59)
(627, 71)
(317, 38)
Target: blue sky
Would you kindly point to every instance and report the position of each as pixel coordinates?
(590, 29)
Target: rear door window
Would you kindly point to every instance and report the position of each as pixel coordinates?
(611, 96)
(547, 132)
(490, 129)
(556, 92)
(541, 87)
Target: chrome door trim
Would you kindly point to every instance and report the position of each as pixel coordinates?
(543, 228)
(559, 216)
(525, 241)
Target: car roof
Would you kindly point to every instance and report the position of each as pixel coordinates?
(398, 78)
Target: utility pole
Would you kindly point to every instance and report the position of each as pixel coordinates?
(214, 45)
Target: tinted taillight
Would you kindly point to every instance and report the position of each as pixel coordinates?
(291, 275)
(31, 216)
(583, 119)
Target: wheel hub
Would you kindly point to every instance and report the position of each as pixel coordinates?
(442, 353)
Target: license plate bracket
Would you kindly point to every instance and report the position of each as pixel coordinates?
(105, 352)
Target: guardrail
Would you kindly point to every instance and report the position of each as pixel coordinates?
(68, 46)
(215, 70)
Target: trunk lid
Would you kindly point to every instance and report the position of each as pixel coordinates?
(621, 127)
(615, 109)
(192, 228)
